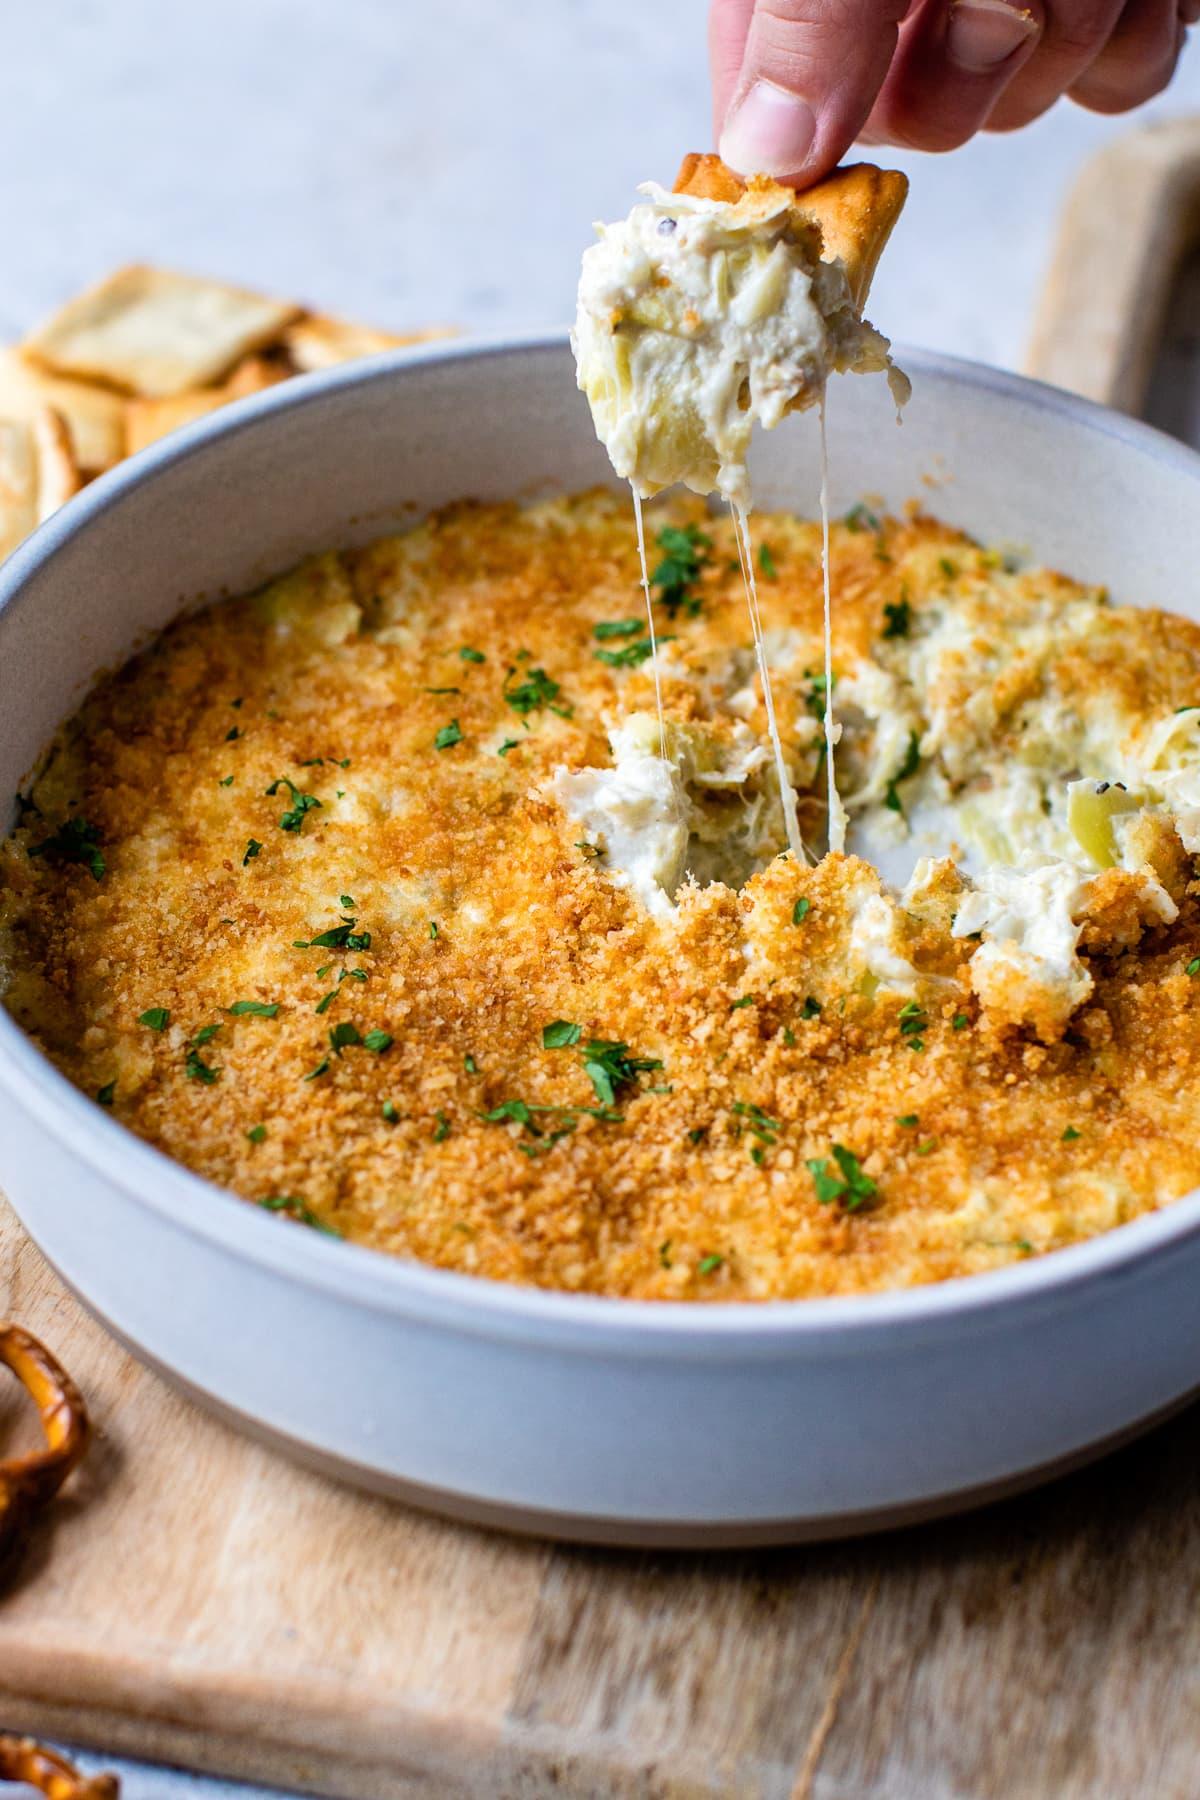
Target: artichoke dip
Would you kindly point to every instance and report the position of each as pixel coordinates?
(378, 898)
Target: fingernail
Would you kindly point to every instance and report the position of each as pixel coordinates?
(982, 34)
(769, 132)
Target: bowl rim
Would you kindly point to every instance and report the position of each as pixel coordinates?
(393, 1285)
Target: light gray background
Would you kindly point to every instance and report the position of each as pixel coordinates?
(441, 162)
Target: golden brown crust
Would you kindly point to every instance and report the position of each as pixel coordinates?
(27, 1483)
(171, 758)
(35, 1765)
(855, 207)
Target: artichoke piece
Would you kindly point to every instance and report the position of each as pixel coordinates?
(1091, 808)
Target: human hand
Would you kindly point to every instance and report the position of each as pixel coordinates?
(796, 81)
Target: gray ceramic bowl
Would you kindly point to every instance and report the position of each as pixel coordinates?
(587, 1418)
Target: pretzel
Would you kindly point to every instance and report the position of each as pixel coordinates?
(27, 1483)
(33, 1765)
(855, 208)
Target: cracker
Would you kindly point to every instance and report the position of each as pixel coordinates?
(148, 420)
(37, 473)
(319, 342)
(95, 416)
(155, 333)
(855, 207)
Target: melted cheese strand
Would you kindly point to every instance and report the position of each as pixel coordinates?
(787, 793)
(837, 812)
(641, 538)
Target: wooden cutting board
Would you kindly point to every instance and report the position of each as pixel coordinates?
(196, 1599)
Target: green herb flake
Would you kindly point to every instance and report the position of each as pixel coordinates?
(708, 1265)
(949, 569)
(74, 842)
(231, 734)
(443, 690)
(927, 1148)
(442, 1129)
(378, 1041)
(253, 849)
(302, 804)
(257, 1134)
(389, 1112)
(685, 557)
(322, 1068)
(910, 765)
(507, 745)
(536, 691)
(609, 1067)
(560, 1035)
(156, 1017)
(448, 736)
(849, 1186)
(766, 562)
(908, 1120)
(618, 628)
(1070, 1134)
(106, 1094)
(292, 1207)
(196, 1069)
(811, 1008)
(664, 1255)
(801, 910)
(344, 1037)
(471, 656)
(697, 1134)
(746, 1000)
(960, 1021)
(1193, 967)
(861, 518)
(433, 928)
(254, 1009)
(897, 617)
(470, 1065)
(226, 781)
(632, 656)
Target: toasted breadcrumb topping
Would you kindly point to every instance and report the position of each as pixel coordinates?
(297, 895)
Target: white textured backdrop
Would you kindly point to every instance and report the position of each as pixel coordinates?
(435, 163)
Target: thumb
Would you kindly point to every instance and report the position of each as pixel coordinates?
(809, 74)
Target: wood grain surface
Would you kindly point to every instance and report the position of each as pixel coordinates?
(1131, 221)
(195, 1598)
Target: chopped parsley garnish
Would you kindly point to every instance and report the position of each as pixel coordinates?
(861, 518)
(226, 781)
(766, 562)
(156, 1017)
(231, 734)
(697, 1134)
(746, 1000)
(1193, 967)
(912, 1022)
(294, 1208)
(257, 1134)
(927, 1147)
(378, 1041)
(507, 745)
(338, 937)
(757, 1121)
(470, 1065)
(322, 1068)
(664, 1254)
(850, 1186)
(811, 1008)
(254, 1009)
(910, 765)
(106, 1094)
(609, 1066)
(560, 1035)
(344, 1036)
(293, 818)
(908, 1120)
(897, 618)
(537, 690)
(814, 700)
(960, 1021)
(442, 1129)
(433, 928)
(389, 1112)
(206, 1034)
(631, 657)
(1070, 1134)
(74, 842)
(618, 628)
(326, 1001)
(236, 704)
(801, 910)
(949, 570)
(519, 1111)
(445, 690)
(685, 554)
(195, 1067)
(472, 656)
(347, 902)
(708, 1265)
(448, 736)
